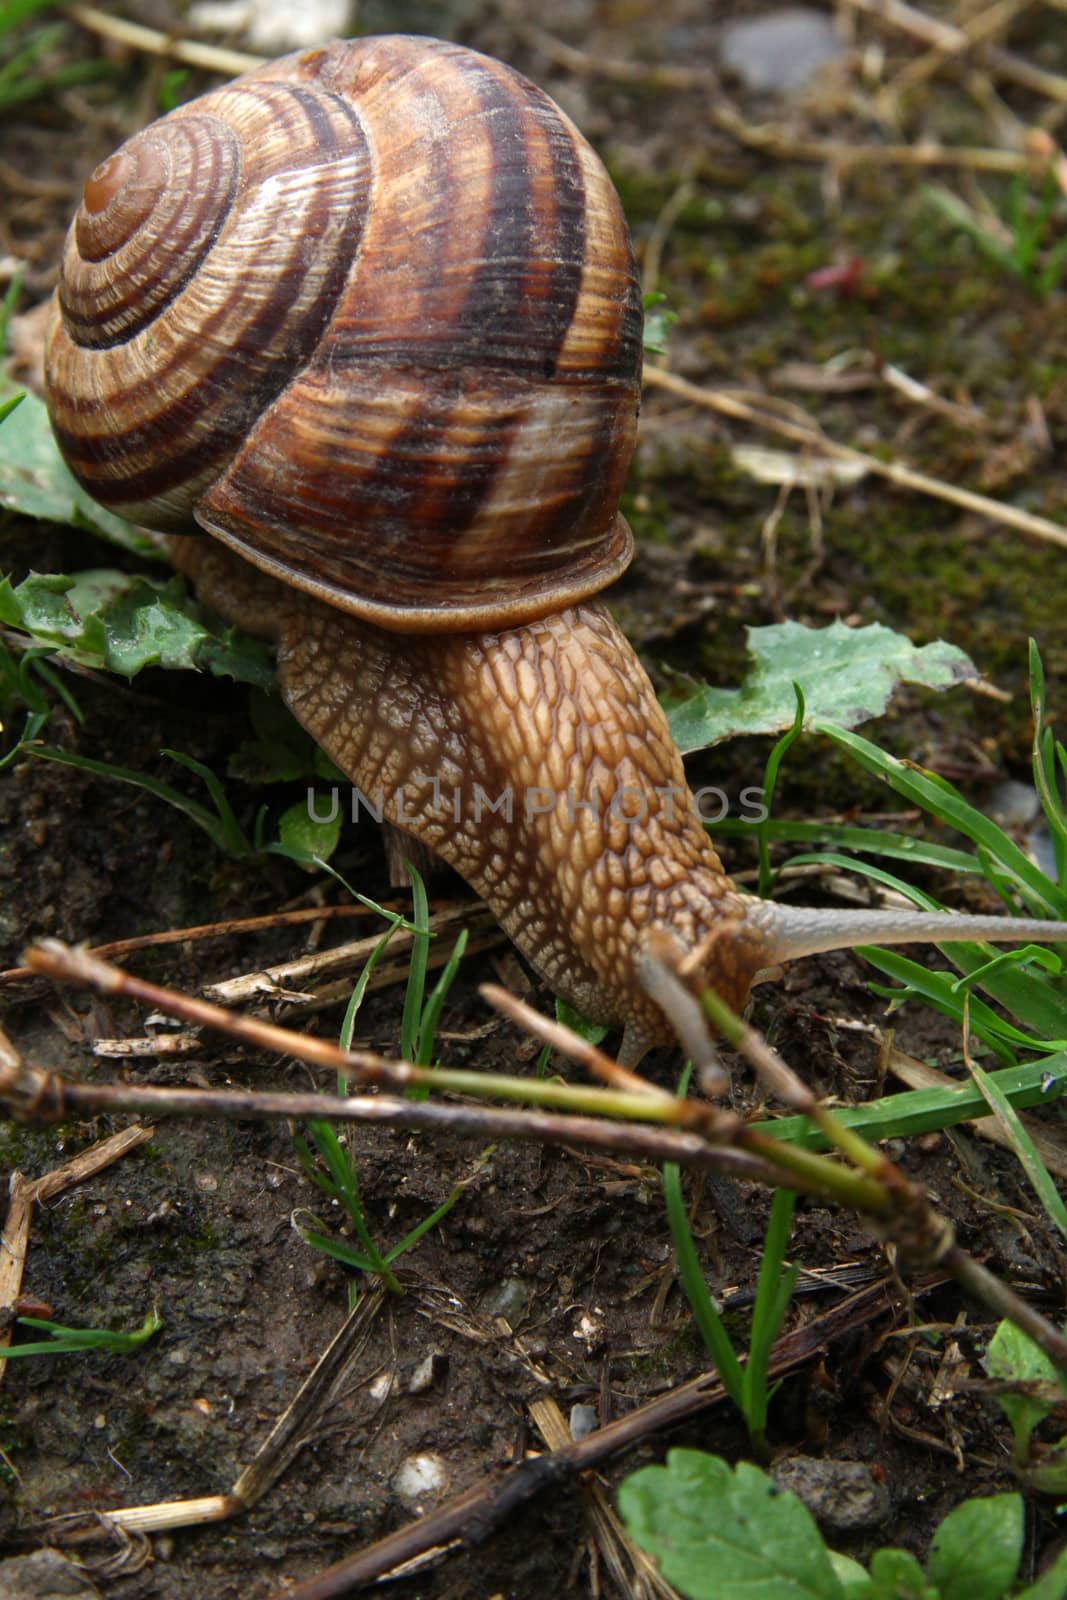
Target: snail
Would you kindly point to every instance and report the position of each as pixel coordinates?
(369, 317)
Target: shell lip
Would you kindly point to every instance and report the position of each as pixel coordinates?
(480, 609)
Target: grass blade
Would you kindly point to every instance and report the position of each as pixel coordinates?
(1021, 1142)
(917, 1111)
(420, 951)
(706, 1317)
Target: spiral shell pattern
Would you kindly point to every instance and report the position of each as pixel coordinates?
(370, 316)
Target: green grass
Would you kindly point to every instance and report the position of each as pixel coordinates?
(335, 1172)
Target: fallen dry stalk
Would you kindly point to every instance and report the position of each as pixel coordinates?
(469, 1518)
(288, 1435)
(120, 949)
(152, 42)
(624, 1560)
(951, 44)
(784, 143)
(729, 405)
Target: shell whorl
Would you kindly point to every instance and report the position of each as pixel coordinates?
(370, 316)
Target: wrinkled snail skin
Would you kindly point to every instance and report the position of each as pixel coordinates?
(370, 317)
(559, 794)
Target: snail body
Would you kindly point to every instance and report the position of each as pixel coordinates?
(369, 317)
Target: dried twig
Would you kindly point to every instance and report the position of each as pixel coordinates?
(618, 69)
(120, 949)
(951, 43)
(285, 1439)
(190, 52)
(633, 1573)
(288, 975)
(785, 143)
(729, 405)
(43, 1096)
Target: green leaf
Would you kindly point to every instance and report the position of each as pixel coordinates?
(977, 1549)
(854, 1580)
(722, 1535)
(847, 676)
(282, 750)
(1052, 1584)
(1013, 1357)
(896, 1575)
(299, 831)
(36, 481)
(1023, 1145)
(123, 622)
(591, 1032)
(916, 1111)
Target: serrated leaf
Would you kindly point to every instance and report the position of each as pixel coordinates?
(848, 675)
(123, 622)
(976, 1550)
(718, 1534)
(36, 481)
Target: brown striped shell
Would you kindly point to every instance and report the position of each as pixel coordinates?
(370, 316)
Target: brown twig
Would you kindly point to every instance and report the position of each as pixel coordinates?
(728, 405)
(121, 949)
(951, 43)
(38, 1095)
(619, 69)
(188, 51)
(786, 144)
(633, 1573)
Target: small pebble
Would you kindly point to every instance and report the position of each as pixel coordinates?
(46, 1575)
(428, 1372)
(781, 50)
(582, 1420)
(508, 1299)
(841, 1495)
(420, 1478)
(274, 26)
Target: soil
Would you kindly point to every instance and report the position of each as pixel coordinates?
(553, 1274)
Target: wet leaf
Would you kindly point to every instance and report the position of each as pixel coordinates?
(122, 622)
(848, 675)
(718, 1534)
(36, 481)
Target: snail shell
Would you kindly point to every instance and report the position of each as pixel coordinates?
(370, 316)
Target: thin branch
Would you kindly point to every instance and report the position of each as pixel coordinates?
(120, 949)
(952, 43)
(728, 405)
(783, 142)
(44, 1096)
(189, 52)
